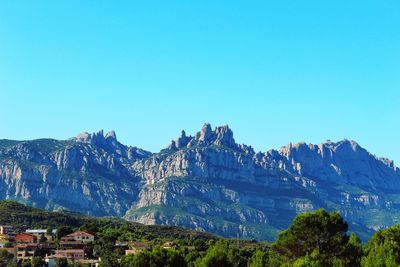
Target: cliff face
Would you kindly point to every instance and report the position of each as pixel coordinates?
(206, 181)
(87, 175)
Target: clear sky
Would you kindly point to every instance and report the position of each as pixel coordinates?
(275, 71)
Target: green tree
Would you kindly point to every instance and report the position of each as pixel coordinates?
(91, 227)
(61, 262)
(310, 260)
(42, 238)
(63, 231)
(156, 258)
(8, 244)
(5, 257)
(12, 264)
(191, 257)
(315, 238)
(49, 231)
(37, 262)
(217, 256)
(383, 249)
(353, 252)
(109, 258)
(72, 263)
(174, 259)
(141, 259)
(166, 257)
(259, 259)
(26, 263)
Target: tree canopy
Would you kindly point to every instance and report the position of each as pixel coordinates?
(315, 238)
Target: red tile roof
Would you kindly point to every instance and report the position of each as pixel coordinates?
(25, 238)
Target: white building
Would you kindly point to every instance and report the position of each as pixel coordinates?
(81, 236)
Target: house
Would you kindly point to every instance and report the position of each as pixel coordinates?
(136, 247)
(25, 238)
(51, 261)
(76, 240)
(40, 234)
(25, 251)
(81, 236)
(68, 242)
(73, 254)
(170, 245)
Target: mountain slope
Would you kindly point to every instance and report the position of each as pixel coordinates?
(23, 217)
(206, 181)
(88, 174)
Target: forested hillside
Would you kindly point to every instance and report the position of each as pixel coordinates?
(315, 238)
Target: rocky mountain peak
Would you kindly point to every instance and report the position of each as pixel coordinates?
(343, 146)
(83, 137)
(205, 133)
(221, 136)
(111, 136)
(346, 145)
(108, 141)
(183, 140)
(205, 181)
(224, 136)
(91, 138)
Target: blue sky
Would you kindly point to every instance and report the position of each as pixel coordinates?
(275, 71)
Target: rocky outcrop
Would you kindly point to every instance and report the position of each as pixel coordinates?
(110, 144)
(88, 174)
(344, 162)
(206, 181)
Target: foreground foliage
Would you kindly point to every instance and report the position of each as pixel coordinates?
(315, 238)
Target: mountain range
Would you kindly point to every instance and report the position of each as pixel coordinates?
(206, 182)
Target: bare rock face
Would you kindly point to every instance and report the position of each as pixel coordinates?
(205, 133)
(88, 174)
(224, 136)
(221, 136)
(183, 140)
(277, 184)
(344, 162)
(206, 181)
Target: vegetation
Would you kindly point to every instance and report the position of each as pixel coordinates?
(23, 217)
(315, 238)
(383, 249)
(6, 258)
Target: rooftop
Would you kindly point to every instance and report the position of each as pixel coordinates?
(80, 233)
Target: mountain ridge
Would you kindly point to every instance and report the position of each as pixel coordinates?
(206, 181)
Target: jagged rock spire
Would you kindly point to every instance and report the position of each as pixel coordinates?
(224, 136)
(221, 136)
(205, 133)
(111, 135)
(99, 139)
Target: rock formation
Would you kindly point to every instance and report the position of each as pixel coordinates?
(206, 181)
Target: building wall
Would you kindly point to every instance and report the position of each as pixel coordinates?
(84, 238)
